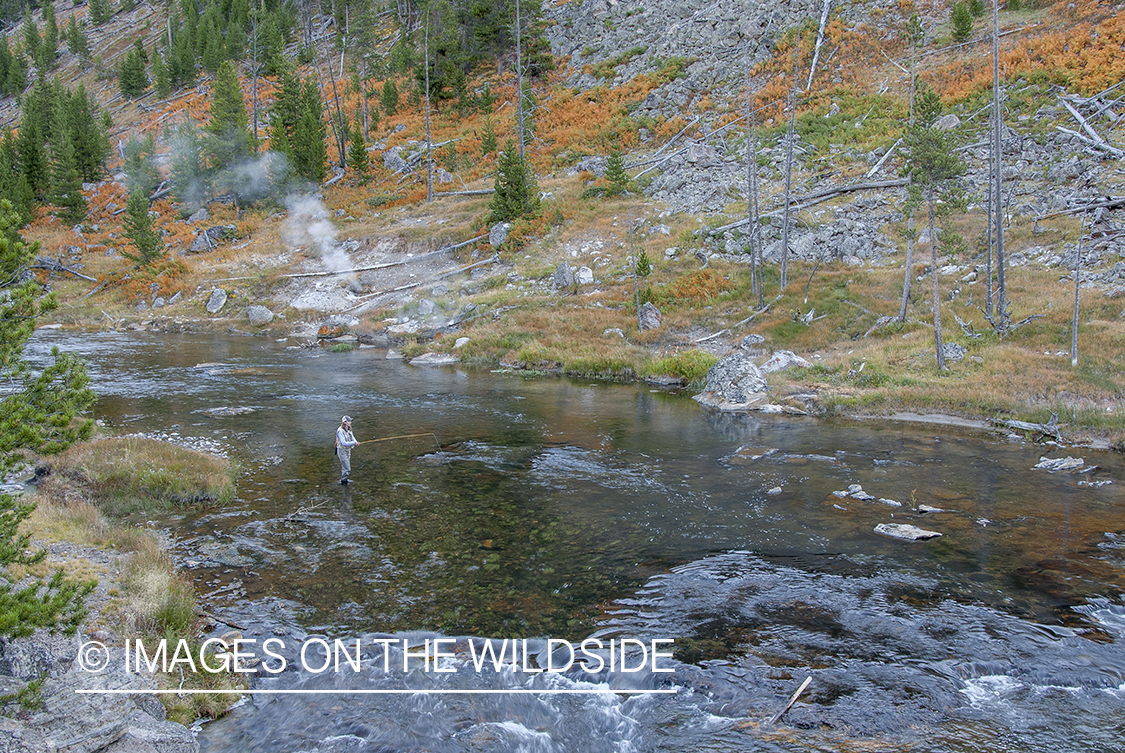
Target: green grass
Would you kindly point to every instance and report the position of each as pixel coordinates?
(129, 474)
(691, 365)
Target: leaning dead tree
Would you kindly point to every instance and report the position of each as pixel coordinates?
(819, 41)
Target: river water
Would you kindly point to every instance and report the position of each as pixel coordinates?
(560, 509)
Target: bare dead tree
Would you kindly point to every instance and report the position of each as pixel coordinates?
(819, 41)
(789, 139)
(429, 141)
(916, 33)
(752, 191)
(1077, 283)
(1001, 320)
(519, 80)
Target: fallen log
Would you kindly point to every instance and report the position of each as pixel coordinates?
(816, 198)
(1049, 429)
(1108, 204)
(43, 262)
(442, 250)
(408, 286)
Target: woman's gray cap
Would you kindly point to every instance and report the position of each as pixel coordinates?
(346, 418)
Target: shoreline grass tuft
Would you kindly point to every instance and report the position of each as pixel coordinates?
(130, 474)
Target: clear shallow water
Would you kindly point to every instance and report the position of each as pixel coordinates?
(564, 509)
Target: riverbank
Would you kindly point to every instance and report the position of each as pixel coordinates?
(139, 594)
(861, 365)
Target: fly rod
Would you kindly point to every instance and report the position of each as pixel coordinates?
(406, 436)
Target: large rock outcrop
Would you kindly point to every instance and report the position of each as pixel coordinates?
(734, 383)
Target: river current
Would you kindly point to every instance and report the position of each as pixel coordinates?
(549, 508)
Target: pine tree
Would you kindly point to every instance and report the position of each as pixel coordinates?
(188, 179)
(91, 145)
(488, 138)
(49, 49)
(147, 244)
(100, 11)
(962, 20)
(41, 412)
(76, 39)
(357, 153)
(227, 139)
(33, 157)
(515, 194)
(934, 165)
(615, 173)
(66, 187)
(141, 175)
(131, 76)
(31, 39)
(389, 97)
(310, 155)
(13, 70)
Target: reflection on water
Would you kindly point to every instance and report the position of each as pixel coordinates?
(556, 508)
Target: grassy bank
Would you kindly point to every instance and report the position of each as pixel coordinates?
(142, 594)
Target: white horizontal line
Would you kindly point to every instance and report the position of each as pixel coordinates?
(390, 691)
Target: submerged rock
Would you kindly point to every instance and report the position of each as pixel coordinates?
(1060, 464)
(434, 359)
(905, 532)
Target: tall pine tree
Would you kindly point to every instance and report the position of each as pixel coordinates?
(42, 411)
(227, 140)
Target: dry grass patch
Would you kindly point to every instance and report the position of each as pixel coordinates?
(135, 473)
(150, 599)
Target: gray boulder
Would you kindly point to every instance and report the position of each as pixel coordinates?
(734, 383)
(216, 301)
(211, 237)
(953, 352)
(259, 315)
(783, 359)
(393, 161)
(751, 342)
(200, 216)
(563, 277)
(947, 122)
(499, 233)
(651, 318)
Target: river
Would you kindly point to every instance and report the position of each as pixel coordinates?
(552, 508)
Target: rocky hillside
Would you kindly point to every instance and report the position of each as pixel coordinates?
(668, 85)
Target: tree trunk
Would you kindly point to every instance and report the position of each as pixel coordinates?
(934, 273)
(429, 141)
(751, 168)
(997, 150)
(789, 166)
(519, 81)
(909, 271)
(1077, 282)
